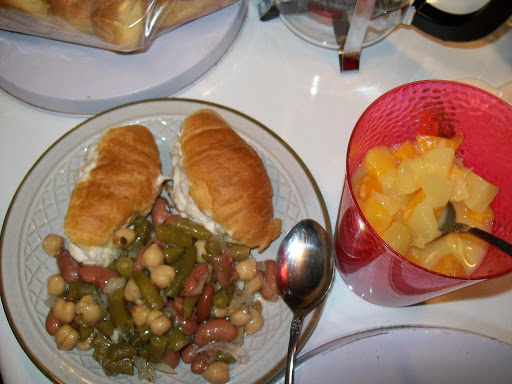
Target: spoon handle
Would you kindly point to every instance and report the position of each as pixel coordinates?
(295, 330)
(491, 239)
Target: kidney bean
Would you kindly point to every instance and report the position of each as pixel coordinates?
(201, 362)
(160, 213)
(215, 330)
(52, 324)
(178, 304)
(224, 268)
(171, 358)
(68, 266)
(98, 276)
(205, 302)
(189, 326)
(269, 289)
(189, 353)
(196, 279)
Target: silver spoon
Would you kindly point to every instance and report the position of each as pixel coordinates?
(448, 225)
(304, 273)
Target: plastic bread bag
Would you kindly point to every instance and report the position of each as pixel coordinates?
(117, 25)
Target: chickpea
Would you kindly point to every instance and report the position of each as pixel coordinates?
(240, 317)
(131, 291)
(123, 237)
(64, 310)
(88, 310)
(158, 323)
(84, 345)
(219, 313)
(56, 285)
(246, 269)
(152, 256)
(66, 337)
(254, 285)
(162, 275)
(217, 373)
(52, 244)
(256, 322)
(139, 314)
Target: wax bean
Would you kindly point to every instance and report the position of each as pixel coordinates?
(117, 309)
(172, 235)
(238, 251)
(148, 291)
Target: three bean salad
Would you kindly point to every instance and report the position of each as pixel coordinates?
(176, 293)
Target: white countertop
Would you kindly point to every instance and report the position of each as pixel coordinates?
(296, 90)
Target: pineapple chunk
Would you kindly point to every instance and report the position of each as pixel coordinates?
(406, 150)
(481, 192)
(438, 162)
(460, 187)
(376, 214)
(378, 160)
(437, 190)
(389, 202)
(423, 225)
(426, 142)
(397, 237)
(407, 176)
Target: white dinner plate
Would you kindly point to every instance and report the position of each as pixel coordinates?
(75, 79)
(39, 206)
(407, 355)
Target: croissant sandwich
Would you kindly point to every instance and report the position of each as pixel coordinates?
(220, 181)
(119, 179)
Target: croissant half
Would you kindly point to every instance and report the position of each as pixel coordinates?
(227, 179)
(121, 181)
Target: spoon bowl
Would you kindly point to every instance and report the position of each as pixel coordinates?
(304, 273)
(449, 224)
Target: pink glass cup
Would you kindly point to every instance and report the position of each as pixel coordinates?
(369, 267)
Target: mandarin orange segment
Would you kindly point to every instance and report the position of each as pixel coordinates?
(406, 150)
(378, 217)
(483, 218)
(367, 185)
(449, 265)
(412, 203)
(426, 142)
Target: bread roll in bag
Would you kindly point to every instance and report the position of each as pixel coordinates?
(119, 179)
(226, 180)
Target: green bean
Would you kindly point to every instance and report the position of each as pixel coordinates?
(106, 327)
(197, 231)
(79, 289)
(124, 267)
(148, 291)
(113, 368)
(225, 357)
(113, 265)
(144, 332)
(187, 263)
(143, 351)
(172, 235)
(213, 248)
(223, 297)
(256, 305)
(142, 228)
(157, 347)
(177, 339)
(238, 251)
(85, 332)
(117, 309)
(207, 257)
(121, 351)
(79, 321)
(172, 253)
(101, 342)
(189, 303)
